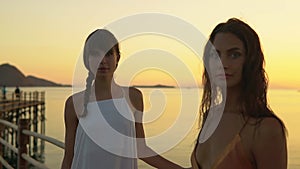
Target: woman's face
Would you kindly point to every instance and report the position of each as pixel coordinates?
(227, 60)
(101, 64)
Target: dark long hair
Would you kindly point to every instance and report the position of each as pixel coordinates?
(253, 97)
(99, 39)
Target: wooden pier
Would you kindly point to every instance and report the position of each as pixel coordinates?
(29, 106)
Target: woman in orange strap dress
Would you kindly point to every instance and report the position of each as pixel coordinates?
(247, 134)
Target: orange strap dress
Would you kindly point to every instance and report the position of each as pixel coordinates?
(233, 157)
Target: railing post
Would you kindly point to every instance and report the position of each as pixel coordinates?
(25, 97)
(23, 142)
(35, 129)
(1, 150)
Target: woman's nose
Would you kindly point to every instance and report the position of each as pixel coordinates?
(103, 61)
(224, 62)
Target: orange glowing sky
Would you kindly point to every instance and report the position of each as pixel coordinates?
(45, 38)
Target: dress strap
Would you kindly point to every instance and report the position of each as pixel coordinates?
(244, 125)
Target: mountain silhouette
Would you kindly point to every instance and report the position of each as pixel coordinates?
(12, 76)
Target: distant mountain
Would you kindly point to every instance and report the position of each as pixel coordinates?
(12, 76)
(154, 86)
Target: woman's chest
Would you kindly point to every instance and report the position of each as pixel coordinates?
(230, 127)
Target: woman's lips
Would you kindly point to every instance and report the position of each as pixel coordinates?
(223, 76)
(103, 69)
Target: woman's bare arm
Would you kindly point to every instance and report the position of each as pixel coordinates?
(154, 159)
(71, 122)
(269, 149)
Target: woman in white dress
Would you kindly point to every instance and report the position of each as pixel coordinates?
(104, 122)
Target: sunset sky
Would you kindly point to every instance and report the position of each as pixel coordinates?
(45, 38)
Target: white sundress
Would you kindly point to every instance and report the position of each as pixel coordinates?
(105, 137)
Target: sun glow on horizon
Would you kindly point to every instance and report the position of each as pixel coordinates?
(45, 39)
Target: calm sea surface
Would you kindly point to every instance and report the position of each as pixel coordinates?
(163, 107)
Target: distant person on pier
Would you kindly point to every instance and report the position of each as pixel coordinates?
(4, 92)
(104, 122)
(18, 92)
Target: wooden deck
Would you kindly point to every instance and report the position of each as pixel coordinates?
(31, 106)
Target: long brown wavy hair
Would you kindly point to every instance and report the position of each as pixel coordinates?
(253, 98)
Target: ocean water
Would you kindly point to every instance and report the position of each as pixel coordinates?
(164, 107)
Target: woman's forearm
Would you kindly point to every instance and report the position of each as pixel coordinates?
(152, 158)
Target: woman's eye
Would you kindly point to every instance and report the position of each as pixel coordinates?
(235, 55)
(109, 53)
(214, 55)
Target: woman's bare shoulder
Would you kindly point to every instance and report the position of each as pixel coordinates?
(269, 146)
(269, 133)
(136, 98)
(74, 104)
(270, 127)
(135, 93)
(76, 96)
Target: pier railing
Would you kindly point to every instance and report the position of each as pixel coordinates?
(23, 139)
(21, 100)
(22, 136)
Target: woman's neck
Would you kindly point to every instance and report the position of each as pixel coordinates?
(106, 89)
(232, 104)
(105, 84)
